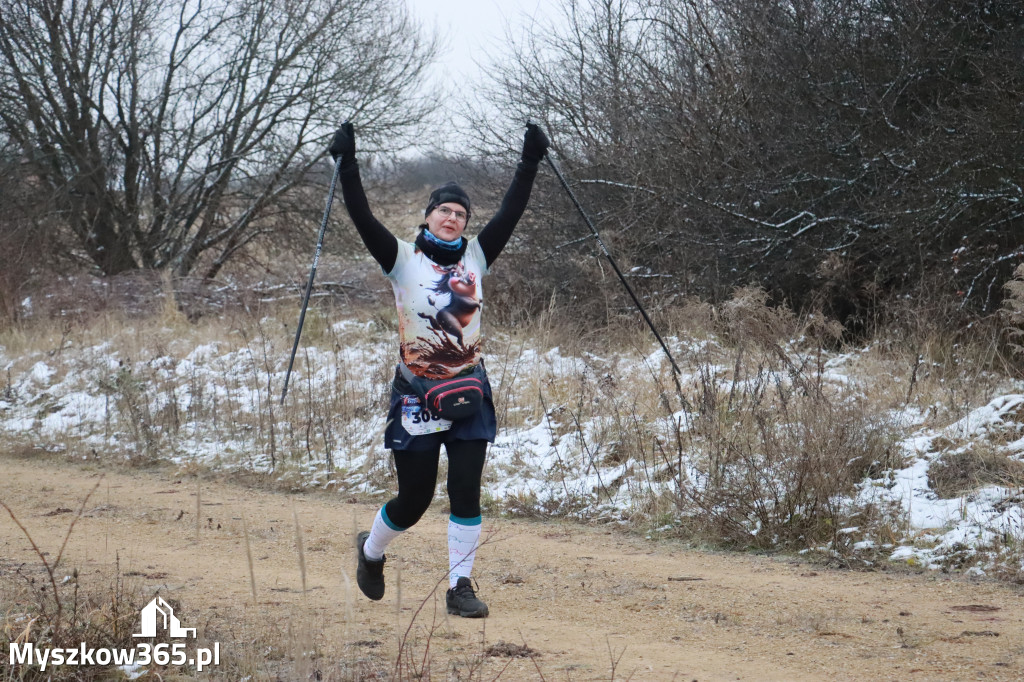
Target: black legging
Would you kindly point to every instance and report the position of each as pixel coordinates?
(417, 478)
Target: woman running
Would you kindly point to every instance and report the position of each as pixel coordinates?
(437, 285)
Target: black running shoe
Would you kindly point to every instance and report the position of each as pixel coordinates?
(369, 573)
(462, 600)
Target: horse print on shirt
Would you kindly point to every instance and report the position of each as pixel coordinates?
(460, 286)
(455, 301)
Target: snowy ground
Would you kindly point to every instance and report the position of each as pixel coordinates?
(972, 527)
(222, 401)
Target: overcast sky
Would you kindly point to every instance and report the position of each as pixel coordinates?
(472, 29)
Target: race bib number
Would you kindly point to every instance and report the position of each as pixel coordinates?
(417, 421)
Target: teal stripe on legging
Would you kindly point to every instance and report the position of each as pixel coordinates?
(384, 515)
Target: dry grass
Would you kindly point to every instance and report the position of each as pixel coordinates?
(47, 605)
(959, 472)
(779, 445)
(1013, 313)
(100, 614)
(264, 642)
(761, 447)
(758, 446)
(152, 373)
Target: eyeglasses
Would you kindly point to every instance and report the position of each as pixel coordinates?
(444, 212)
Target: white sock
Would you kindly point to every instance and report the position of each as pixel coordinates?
(463, 536)
(381, 533)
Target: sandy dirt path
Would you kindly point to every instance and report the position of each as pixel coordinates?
(591, 602)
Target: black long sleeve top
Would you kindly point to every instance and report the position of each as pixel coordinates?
(383, 245)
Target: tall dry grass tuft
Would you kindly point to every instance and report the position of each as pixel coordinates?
(1013, 313)
(48, 611)
(776, 448)
(762, 448)
(248, 561)
(300, 550)
(199, 507)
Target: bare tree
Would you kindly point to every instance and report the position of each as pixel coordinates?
(580, 75)
(24, 234)
(168, 135)
(834, 151)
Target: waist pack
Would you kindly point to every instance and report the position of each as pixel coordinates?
(455, 398)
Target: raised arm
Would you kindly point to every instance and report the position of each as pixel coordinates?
(496, 233)
(379, 241)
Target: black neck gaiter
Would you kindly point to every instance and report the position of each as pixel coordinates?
(438, 253)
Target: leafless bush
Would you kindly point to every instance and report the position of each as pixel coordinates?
(778, 463)
(833, 154)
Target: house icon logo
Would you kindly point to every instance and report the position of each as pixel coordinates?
(159, 613)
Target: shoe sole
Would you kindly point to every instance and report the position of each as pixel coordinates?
(468, 614)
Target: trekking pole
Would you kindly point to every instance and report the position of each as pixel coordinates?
(618, 272)
(312, 274)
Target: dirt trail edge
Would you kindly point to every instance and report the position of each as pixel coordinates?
(591, 602)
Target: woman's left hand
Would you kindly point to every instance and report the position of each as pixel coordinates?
(344, 144)
(535, 144)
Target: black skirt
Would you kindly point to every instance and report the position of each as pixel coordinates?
(481, 426)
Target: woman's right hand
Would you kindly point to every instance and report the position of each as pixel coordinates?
(344, 143)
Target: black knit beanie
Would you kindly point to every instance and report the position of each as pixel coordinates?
(448, 193)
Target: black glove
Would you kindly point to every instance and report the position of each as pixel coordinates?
(344, 144)
(535, 144)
